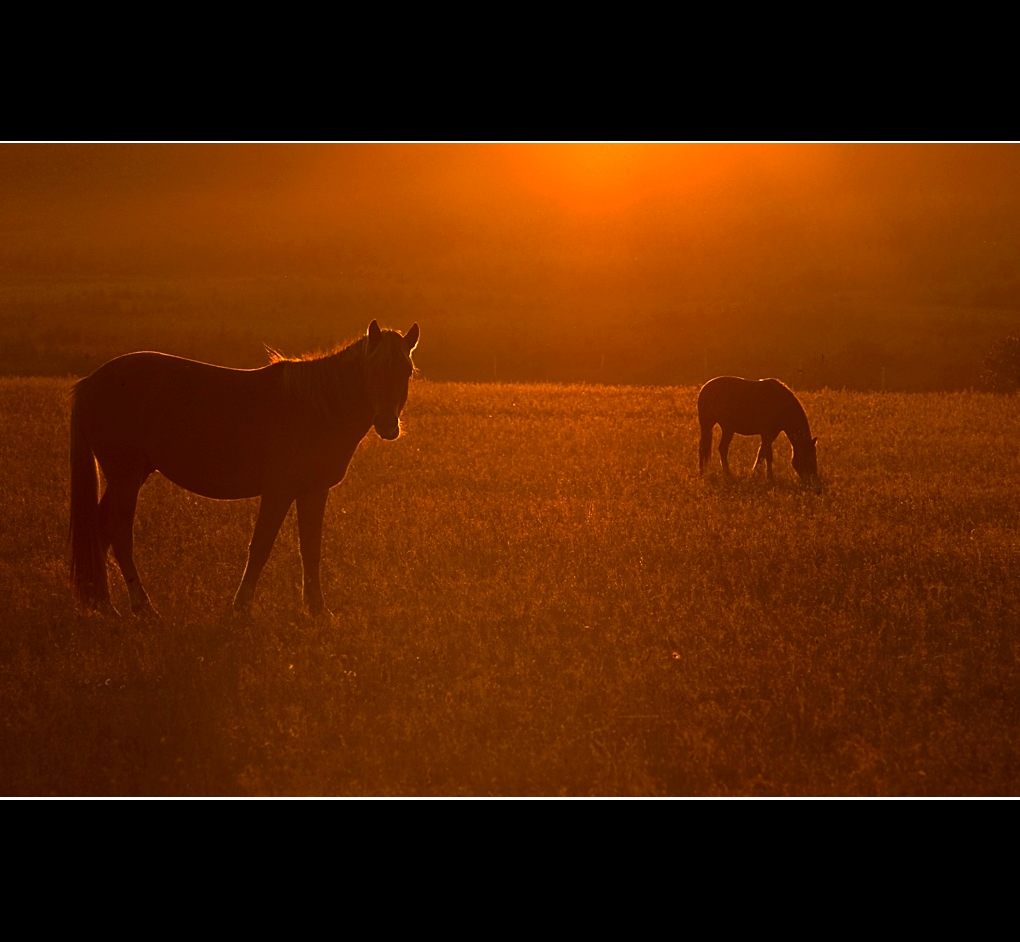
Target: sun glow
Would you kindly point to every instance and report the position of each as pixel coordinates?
(610, 178)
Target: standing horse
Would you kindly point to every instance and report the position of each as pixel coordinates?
(764, 407)
(284, 433)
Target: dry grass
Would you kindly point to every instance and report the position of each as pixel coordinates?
(535, 593)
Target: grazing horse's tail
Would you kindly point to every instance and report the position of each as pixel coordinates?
(88, 550)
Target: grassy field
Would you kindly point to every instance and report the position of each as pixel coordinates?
(536, 594)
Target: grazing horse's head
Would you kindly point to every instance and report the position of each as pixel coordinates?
(389, 369)
(805, 460)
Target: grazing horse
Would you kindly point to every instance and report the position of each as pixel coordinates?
(284, 433)
(762, 407)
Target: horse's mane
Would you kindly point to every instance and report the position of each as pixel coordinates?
(330, 382)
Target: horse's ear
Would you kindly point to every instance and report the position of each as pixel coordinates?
(411, 338)
(374, 333)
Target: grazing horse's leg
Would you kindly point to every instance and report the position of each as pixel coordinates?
(272, 511)
(724, 448)
(705, 450)
(117, 517)
(310, 510)
(104, 523)
(765, 455)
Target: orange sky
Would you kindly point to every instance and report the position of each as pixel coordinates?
(707, 219)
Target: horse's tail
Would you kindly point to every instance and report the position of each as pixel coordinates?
(88, 552)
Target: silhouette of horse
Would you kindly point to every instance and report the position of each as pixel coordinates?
(284, 433)
(762, 407)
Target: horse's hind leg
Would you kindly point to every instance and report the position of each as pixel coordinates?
(104, 522)
(117, 517)
(724, 449)
(705, 449)
(310, 510)
(272, 511)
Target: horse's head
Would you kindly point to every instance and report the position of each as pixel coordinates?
(389, 368)
(805, 460)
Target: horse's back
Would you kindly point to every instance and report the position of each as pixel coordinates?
(745, 406)
(203, 426)
(142, 390)
(728, 401)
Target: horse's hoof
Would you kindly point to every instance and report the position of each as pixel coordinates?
(145, 611)
(103, 610)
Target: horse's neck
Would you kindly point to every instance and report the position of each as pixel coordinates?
(797, 425)
(333, 387)
(351, 388)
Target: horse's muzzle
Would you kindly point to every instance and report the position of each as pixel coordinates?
(388, 431)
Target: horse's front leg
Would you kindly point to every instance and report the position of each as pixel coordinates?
(764, 456)
(310, 510)
(272, 512)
